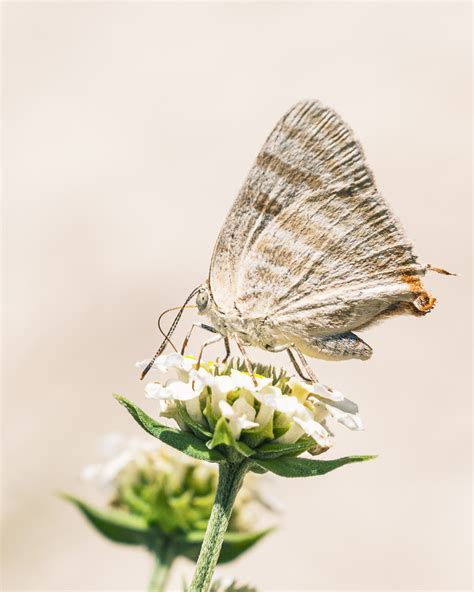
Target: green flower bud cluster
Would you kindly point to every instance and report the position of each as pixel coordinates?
(162, 499)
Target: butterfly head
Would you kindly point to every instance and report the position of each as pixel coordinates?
(202, 299)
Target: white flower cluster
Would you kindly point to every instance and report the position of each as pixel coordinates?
(116, 453)
(301, 406)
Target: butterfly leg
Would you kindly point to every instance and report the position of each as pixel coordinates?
(248, 363)
(297, 366)
(306, 366)
(188, 336)
(214, 339)
(227, 349)
(287, 348)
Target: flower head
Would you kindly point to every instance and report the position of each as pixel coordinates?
(173, 492)
(225, 405)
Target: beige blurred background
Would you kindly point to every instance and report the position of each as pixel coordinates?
(129, 128)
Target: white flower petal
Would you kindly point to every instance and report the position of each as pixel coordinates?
(142, 365)
(245, 381)
(237, 422)
(167, 408)
(183, 391)
(345, 405)
(320, 390)
(247, 424)
(242, 407)
(303, 388)
(202, 375)
(174, 361)
(111, 469)
(110, 444)
(315, 430)
(350, 420)
(90, 472)
(173, 389)
(224, 384)
(273, 397)
(264, 415)
(226, 409)
(167, 362)
(193, 407)
(154, 390)
(292, 435)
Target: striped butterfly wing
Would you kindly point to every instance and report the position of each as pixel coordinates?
(309, 241)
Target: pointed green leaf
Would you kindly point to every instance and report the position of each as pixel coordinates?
(224, 437)
(183, 441)
(116, 525)
(209, 414)
(199, 430)
(236, 543)
(133, 501)
(222, 434)
(306, 467)
(275, 449)
(255, 436)
(254, 468)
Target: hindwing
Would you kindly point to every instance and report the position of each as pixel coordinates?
(309, 241)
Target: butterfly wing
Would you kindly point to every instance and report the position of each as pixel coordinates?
(309, 242)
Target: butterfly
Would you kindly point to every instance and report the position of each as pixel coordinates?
(310, 251)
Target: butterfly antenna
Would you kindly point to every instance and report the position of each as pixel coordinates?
(167, 336)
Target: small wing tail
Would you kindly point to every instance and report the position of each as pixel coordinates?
(439, 270)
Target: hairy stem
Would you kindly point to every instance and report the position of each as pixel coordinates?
(164, 557)
(231, 476)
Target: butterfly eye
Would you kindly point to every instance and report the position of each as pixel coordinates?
(202, 300)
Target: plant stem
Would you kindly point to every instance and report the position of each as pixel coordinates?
(164, 557)
(231, 476)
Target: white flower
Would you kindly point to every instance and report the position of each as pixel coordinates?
(168, 362)
(343, 410)
(175, 390)
(315, 430)
(304, 421)
(245, 381)
(303, 409)
(237, 416)
(273, 398)
(303, 389)
(117, 453)
(292, 435)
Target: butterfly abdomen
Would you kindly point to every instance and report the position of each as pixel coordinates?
(343, 346)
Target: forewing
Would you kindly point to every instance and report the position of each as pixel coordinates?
(309, 236)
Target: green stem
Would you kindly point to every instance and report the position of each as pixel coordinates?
(231, 476)
(164, 557)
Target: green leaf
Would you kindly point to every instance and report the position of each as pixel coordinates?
(255, 436)
(133, 501)
(199, 430)
(235, 543)
(254, 468)
(209, 414)
(224, 437)
(183, 441)
(116, 525)
(306, 467)
(274, 449)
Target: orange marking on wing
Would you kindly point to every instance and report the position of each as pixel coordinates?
(424, 302)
